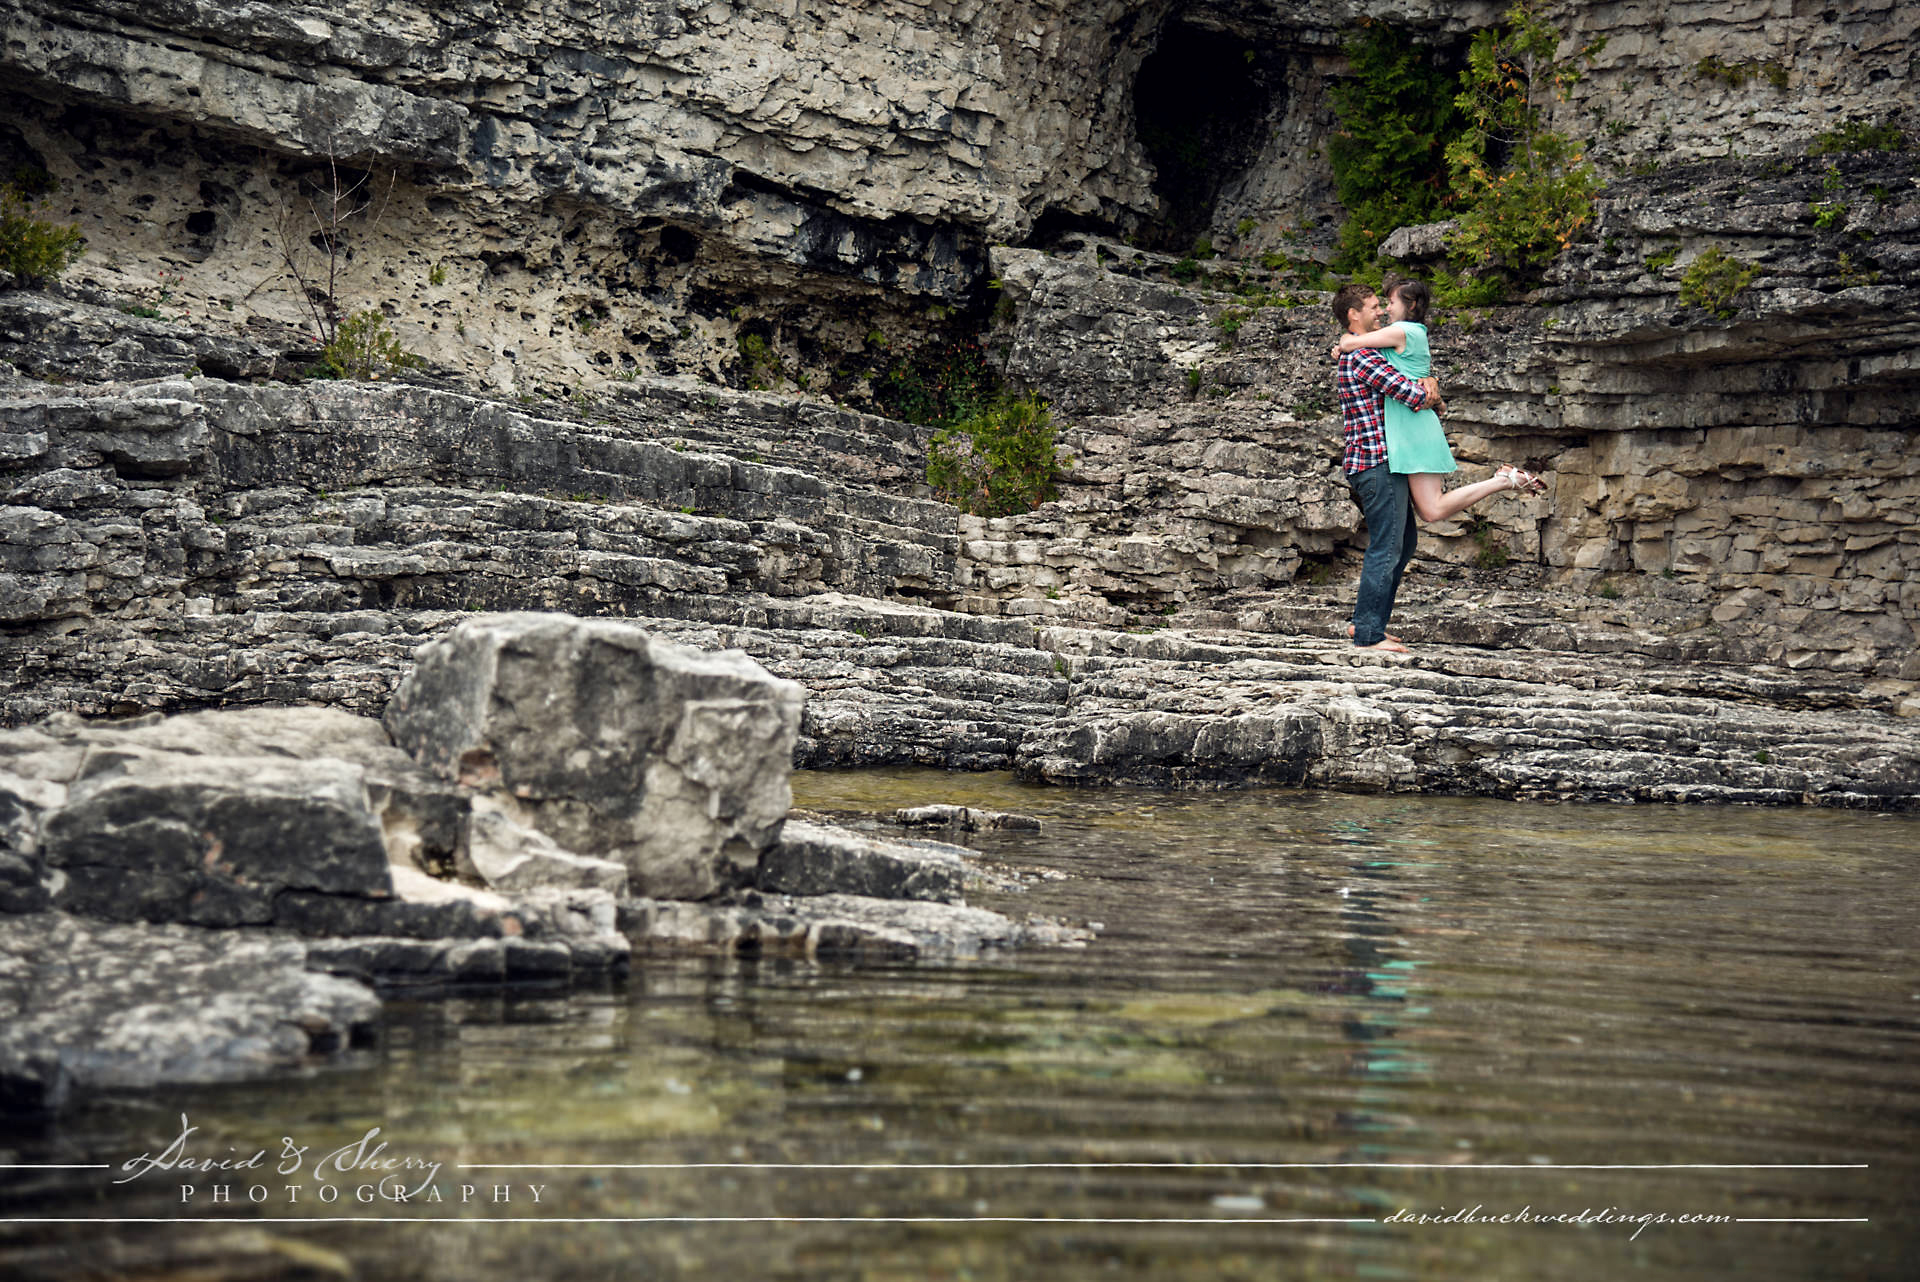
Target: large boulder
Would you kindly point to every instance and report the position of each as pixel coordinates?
(615, 744)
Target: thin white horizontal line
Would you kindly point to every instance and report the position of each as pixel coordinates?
(1175, 1166)
(671, 1219)
(1754, 1220)
(53, 1166)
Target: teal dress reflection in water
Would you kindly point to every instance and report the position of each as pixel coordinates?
(1415, 440)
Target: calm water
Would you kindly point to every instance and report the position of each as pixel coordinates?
(1306, 1016)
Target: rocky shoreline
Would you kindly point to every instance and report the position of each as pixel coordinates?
(221, 894)
(190, 556)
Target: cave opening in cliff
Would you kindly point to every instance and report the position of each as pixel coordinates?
(1203, 103)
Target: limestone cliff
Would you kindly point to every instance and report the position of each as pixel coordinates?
(639, 203)
(576, 190)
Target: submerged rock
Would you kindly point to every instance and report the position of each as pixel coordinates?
(966, 818)
(89, 1005)
(833, 925)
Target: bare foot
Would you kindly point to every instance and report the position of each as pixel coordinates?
(1388, 635)
(1390, 645)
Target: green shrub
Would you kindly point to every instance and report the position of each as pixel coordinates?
(940, 384)
(1737, 74)
(1228, 322)
(1415, 144)
(1857, 135)
(1714, 279)
(1397, 115)
(998, 461)
(32, 248)
(365, 347)
(1459, 289)
(759, 366)
(1524, 191)
(1491, 554)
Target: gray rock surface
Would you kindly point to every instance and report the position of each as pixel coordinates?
(652, 187)
(511, 856)
(817, 859)
(616, 744)
(86, 1005)
(213, 841)
(1417, 244)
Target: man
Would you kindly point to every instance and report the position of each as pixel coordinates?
(1363, 380)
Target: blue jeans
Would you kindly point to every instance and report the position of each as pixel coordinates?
(1391, 535)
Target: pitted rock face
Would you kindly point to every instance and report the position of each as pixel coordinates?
(613, 743)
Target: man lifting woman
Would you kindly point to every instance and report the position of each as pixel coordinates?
(1396, 450)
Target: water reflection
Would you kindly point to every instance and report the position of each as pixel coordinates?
(1307, 1008)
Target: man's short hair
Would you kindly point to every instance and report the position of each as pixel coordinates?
(1347, 300)
(1413, 293)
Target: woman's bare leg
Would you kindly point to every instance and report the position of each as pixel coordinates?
(1432, 503)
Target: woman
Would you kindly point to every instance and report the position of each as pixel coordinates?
(1416, 443)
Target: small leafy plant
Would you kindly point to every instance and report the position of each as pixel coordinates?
(1736, 74)
(999, 461)
(758, 364)
(365, 347)
(1714, 279)
(1228, 322)
(939, 384)
(1526, 190)
(33, 248)
(1491, 554)
(1858, 135)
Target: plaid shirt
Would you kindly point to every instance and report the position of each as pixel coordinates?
(1363, 379)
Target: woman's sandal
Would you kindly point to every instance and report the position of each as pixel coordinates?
(1519, 480)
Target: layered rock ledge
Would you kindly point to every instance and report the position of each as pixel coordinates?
(185, 543)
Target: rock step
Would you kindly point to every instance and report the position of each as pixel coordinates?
(272, 497)
(368, 549)
(821, 438)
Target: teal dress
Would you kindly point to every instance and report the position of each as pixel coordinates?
(1415, 440)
